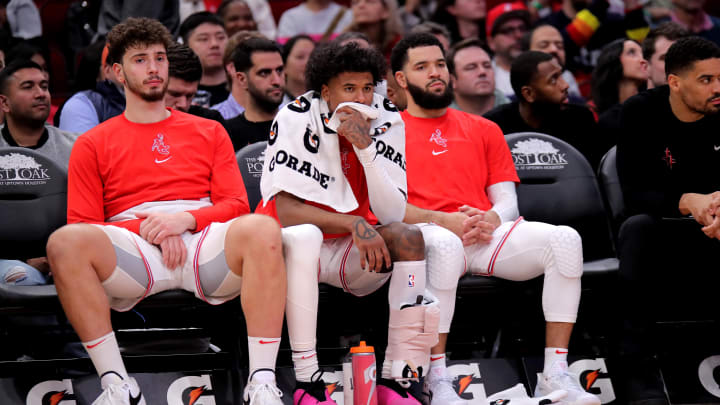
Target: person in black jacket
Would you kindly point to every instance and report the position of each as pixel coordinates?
(184, 73)
(668, 158)
(542, 106)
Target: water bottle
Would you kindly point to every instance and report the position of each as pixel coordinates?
(363, 374)
(347, 380)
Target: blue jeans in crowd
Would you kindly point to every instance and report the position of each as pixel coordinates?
(21, 272)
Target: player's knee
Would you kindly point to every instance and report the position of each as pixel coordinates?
(298, 237)
(445, 257)
(257, 234)
(301, 245)
(566, 248)
(68, 241)
(638, 226)
(405, 242)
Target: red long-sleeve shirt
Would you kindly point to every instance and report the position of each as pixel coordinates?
(121, 164)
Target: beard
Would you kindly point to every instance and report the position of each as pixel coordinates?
(428, 100)
(264, 101)
(706, 109)
(546, 108)
(149, 96)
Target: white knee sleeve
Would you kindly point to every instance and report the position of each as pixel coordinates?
(565, 251)
(563, 261)
(301, 247)
(445, 257)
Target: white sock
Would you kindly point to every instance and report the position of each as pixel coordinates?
(387, 369)
(407, 283)
(105, 356)
(555, 360)
(262, 354)
(438, 368)
(305, 364)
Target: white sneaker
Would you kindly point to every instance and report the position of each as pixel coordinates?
(569, 382)
(126, 392)
(517, 395)
(440, 389)
(262, 394)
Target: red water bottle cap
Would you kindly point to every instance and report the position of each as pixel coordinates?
(362, 348)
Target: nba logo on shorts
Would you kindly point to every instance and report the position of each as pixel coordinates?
(411, 280)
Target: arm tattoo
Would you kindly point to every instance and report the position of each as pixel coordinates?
(356, 130)
(364, 230)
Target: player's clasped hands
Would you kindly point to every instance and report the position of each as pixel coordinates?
(479, 225)
(164, 230)
(174, 252)
(373, 250)
(712, 219)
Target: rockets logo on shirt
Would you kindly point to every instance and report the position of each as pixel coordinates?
(438, 138)
(161, 149)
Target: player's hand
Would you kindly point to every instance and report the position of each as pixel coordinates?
(40, 263)
(714, 203)
(173, 251)
(157, 225)
(354, 127)
(697, 205)
(479, 226)
(372, 247)
(452, 221)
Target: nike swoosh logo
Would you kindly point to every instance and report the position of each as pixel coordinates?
(439, 153)
(717, 148)
(308, 357)
(266, 342)
(162, 161)
(559, 352)
(135, 400)
(96, 344)
(435, 358)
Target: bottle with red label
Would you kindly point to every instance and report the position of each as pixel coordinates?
(363, 374)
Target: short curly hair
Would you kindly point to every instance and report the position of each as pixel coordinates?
(136, 32)
(329, 60)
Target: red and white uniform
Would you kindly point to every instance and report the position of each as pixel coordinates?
(451, 161)
(182, 163)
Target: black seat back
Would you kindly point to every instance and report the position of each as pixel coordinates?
(558, 186)
(610, 182)
(33, 202)
(251, 159)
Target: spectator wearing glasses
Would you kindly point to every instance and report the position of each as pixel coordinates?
(506, 25)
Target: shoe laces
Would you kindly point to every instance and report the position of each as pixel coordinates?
(256, 389)
(316, 387)
(113, 392)
(566, 380)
